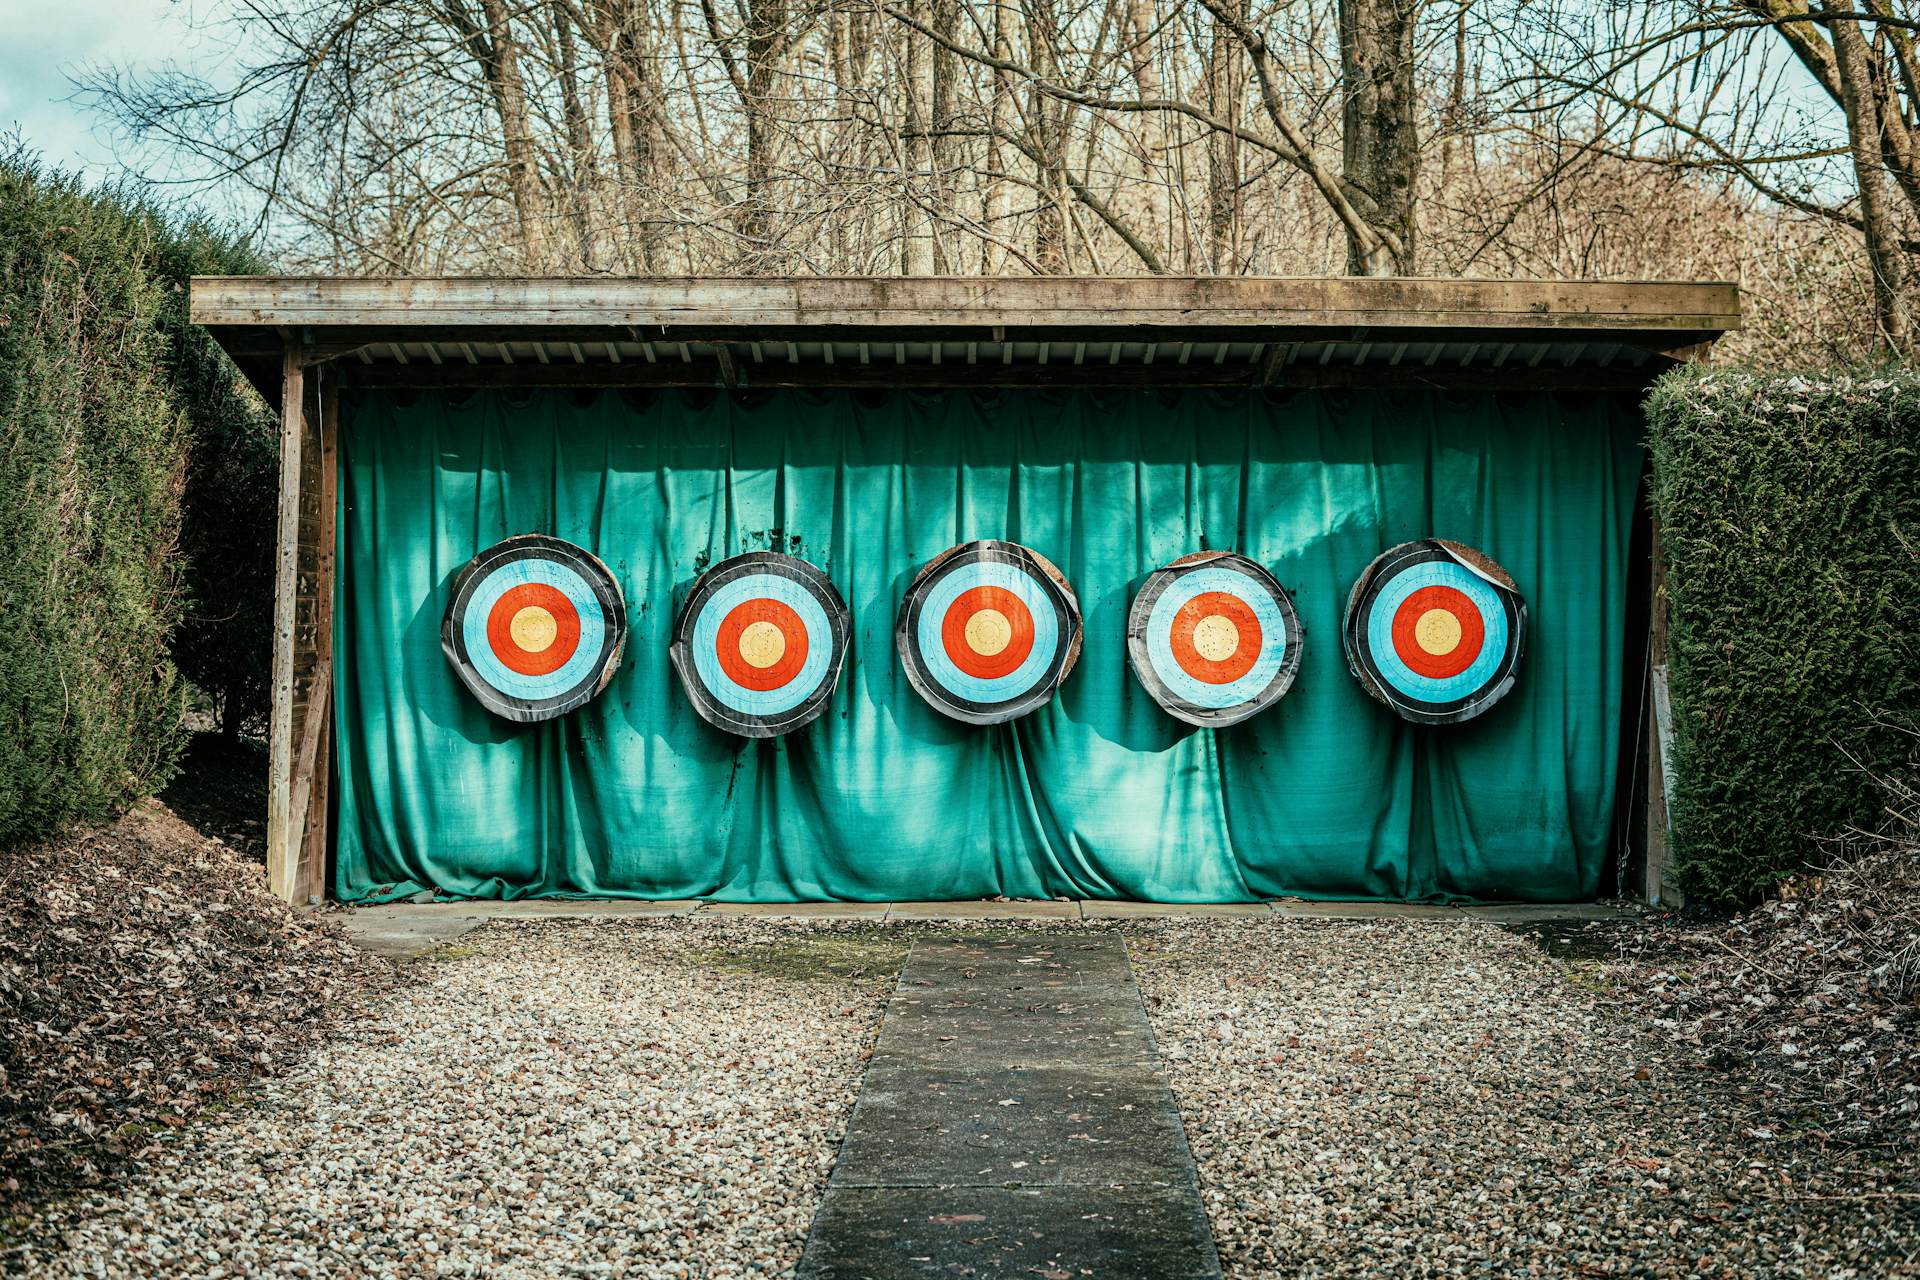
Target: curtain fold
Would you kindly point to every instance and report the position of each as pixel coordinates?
(1099, 794)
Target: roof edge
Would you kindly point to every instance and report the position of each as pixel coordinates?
(970, 304)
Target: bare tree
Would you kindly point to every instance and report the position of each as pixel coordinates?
(1511, 137)
(1694, 85)
(1855, 67)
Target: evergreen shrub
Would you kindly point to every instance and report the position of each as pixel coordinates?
(114, 411)
(1789, 510)
(92, 452)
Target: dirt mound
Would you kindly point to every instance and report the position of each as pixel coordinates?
(145, 972)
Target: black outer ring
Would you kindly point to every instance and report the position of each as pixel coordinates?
(1141, 660)
(1386, 567)
(534, 546)
(680, 653)
(987, 551)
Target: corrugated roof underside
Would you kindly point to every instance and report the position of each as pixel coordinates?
(1252, 355)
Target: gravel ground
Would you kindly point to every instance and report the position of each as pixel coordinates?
(639, 1098)
(1416, 1098)
(663, 1098)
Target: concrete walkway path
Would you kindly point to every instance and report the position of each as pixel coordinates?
(405, 929)
(1014, 1121)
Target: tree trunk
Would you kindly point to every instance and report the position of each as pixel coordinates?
(633, 103)
(583, 169)
(502, 70)
(1900, 150)
(940, 193)
(766, 40)
(1223, 150)
(1048, 131)
(916, 147)
(1142, 24)
(1456, 125)
(1854, 63)
(1380, 144)
(996, 203)
(620, 120)
(846, 59)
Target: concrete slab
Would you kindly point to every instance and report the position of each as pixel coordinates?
(1363, 911)
(1511, 913)
(1074, 1124)
(591, 908)
(875, 911)
(401, 932)
(406, 929)
(1112, 1233)
(1161, 910)
(1050, 961)
(1022, 909)
(1552, 912)
(1014, 1121)
(1088, 1033)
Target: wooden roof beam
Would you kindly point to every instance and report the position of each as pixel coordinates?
(970, 305)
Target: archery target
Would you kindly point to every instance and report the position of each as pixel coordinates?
(760, 643)
(1436, 631)
(1214, 638)
(988, 631)
(534, 627)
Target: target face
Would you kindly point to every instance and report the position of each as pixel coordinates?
(1214, 638)
(988, 631)
(760, 643)
(1435, 630)
(534, 627)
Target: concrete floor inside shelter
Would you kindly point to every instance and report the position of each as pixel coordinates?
(404, 929)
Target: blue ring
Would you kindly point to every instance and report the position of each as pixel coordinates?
(551, 573)
(1493, 646)
(706, 633)
(1273, 639)
(1046, 631)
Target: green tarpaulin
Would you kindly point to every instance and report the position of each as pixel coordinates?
(1100, 793)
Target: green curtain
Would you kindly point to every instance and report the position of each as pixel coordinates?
(1100, 794)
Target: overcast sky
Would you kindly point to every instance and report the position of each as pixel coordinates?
(44, 42)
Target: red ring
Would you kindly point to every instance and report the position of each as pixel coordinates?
(953, 632)
(566, 638)
(1206, 605)
(1438, 666)
(745, 614)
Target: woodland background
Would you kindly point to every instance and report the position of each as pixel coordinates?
(1766, 141)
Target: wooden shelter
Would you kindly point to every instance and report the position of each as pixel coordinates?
(302, 340)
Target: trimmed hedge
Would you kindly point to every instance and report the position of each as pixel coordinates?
(92, 450)
(1790, 524)
(113, 410)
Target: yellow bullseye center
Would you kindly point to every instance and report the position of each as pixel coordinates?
(533, 629)
(989, 632)
(1215, 638)
(762, 644)
(1437, 632)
